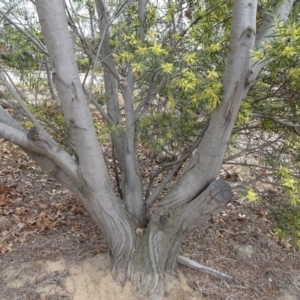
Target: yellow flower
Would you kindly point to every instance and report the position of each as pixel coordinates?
(190, 58)
(212, 74)
(294, 72)
(288, 51)
(167, 68)
(158, 50)
(251, 196)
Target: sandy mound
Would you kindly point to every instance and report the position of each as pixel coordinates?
(85, 280)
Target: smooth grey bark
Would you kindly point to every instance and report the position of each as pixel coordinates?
(124, 140)
(49, 80)
(142, 6)
(156, 256)
(239, 76)
(98, 196)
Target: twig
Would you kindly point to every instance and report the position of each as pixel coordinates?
(18, 98)
(103, 38)
(295, 127)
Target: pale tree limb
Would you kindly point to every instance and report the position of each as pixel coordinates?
(66, 78)
(111, 83)
(124, 140)
(133, 191)
(265, 35)
(239, 76)
(49, 80)
(40, 144)
(142, 6)
(104, 33)
(105, 207)
(143, 107)
(100, 109)
(206, 162)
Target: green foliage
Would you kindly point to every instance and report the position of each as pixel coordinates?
(83, 63)
(287, 220)
(163, 132)
(291, 185)
(22, 54)
(244, 114)
(188, 65)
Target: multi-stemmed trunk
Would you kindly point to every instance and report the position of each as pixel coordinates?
(148, 256)
(144, 239)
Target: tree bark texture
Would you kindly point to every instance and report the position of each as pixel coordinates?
(96, 191)
(149, 259)
(123, 139)
(154, 262)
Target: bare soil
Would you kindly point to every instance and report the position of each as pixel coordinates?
(50, 249)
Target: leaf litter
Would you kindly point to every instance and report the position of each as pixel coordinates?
(50, 249)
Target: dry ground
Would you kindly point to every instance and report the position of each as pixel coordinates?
(49, 248)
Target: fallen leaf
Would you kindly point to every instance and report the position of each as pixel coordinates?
(75, 228)
(242, 217)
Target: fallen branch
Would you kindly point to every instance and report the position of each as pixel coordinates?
(194, 265)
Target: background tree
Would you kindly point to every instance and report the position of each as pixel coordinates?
(175, 74)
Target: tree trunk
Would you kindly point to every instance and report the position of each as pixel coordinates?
(123, 140)
(146, 256)
(153, 264)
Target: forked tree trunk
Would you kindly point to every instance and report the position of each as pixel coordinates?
(146, 256)
(154, 262)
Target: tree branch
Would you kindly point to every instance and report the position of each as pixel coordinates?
(43, 146)
(176, 165)
(206, 162)
(100, 109)
(124, 141)
(143, 107)
(76, 111)
(11, 130)
(295, 127)
(17, 96)
(265, 35)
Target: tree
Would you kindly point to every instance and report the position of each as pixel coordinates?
(145, 226)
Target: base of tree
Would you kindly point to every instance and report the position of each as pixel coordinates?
(88, 279)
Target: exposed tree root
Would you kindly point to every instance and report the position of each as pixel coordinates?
(194, 265)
